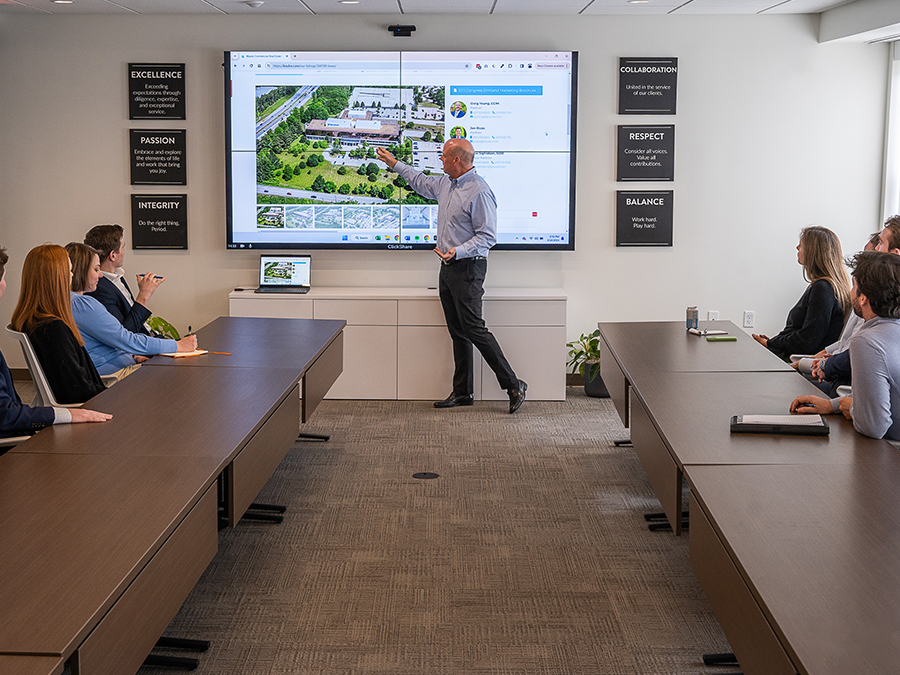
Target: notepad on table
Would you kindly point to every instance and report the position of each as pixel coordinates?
(182, 355)
(799, 425)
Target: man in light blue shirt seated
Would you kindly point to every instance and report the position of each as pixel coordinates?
(875, 404)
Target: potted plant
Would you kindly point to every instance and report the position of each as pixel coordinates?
(584, 357)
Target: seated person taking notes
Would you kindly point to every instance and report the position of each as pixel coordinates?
(44, 313)
(113, 349)
(818, 317)
(17, 419)
(112, 291)
(875, 405)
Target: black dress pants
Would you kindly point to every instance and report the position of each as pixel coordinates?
(461, 287)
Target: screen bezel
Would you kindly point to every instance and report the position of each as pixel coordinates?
(308, 246)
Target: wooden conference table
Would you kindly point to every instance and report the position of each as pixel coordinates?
(31, 665)
(640, 350)
(795, 540)
(105, 528)
(800, 564)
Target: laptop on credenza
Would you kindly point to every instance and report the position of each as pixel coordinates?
(284, 273)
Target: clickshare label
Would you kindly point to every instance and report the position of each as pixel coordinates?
(647, 86)
(159, 221)
(158, 157)
(645, 153)
(644, 218)
(156, 91)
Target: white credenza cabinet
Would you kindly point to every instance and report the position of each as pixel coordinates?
(396, 344)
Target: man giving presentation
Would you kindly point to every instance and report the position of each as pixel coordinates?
(467, 229)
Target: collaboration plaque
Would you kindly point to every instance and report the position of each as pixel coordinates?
(647, 86)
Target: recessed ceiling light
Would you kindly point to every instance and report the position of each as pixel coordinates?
(639, 2)
(63, 2)
(349, 2)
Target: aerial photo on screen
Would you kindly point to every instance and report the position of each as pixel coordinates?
(316, 145)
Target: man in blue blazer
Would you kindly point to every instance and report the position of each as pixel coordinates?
(17, 419)
(112, 290)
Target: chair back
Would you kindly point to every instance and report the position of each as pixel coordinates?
(10, 442)
(44, 395)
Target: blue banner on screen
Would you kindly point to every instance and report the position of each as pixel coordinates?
(497, 91)
(302, 128)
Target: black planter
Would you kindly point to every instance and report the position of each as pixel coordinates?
(594, 387)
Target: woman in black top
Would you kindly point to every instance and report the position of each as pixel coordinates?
(44, 313)
(817, 319)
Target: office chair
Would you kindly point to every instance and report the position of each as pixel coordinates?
(44, 394)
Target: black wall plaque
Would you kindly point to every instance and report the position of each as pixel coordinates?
(647, 86)
(644, 218)
(645, 153)
(156, 91)
(159, 221)
(158, 157)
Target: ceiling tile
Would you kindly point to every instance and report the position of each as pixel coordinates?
(540, 6)
(446, 6)
(804, 6)
(756, 6)
(78, 7)
(268, 7)
(364, 7)
(13, 7)
(626, 7)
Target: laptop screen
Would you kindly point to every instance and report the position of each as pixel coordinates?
(284, 270)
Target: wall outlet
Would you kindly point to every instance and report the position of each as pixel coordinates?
(749, 318)
(712, 315)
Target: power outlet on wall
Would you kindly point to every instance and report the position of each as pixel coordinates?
(712, 315)
(749, 318)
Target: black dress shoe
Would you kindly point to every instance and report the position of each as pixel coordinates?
(453, 400)
(516, 396)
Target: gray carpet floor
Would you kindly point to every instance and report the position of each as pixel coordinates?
(529, 553)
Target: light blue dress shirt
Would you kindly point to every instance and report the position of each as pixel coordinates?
(110, 346)
(467, 209)
(876, 379)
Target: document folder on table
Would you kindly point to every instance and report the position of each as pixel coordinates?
(796, 425)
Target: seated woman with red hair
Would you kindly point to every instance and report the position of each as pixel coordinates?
(44, 313)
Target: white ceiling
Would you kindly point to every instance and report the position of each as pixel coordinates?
(565, 7)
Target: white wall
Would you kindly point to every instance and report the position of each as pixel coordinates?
(774, 132)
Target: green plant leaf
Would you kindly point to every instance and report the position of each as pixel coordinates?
(160, 325)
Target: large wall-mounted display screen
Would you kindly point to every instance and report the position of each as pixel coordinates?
(302, 128)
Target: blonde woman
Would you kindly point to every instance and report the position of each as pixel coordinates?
(817, 319)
